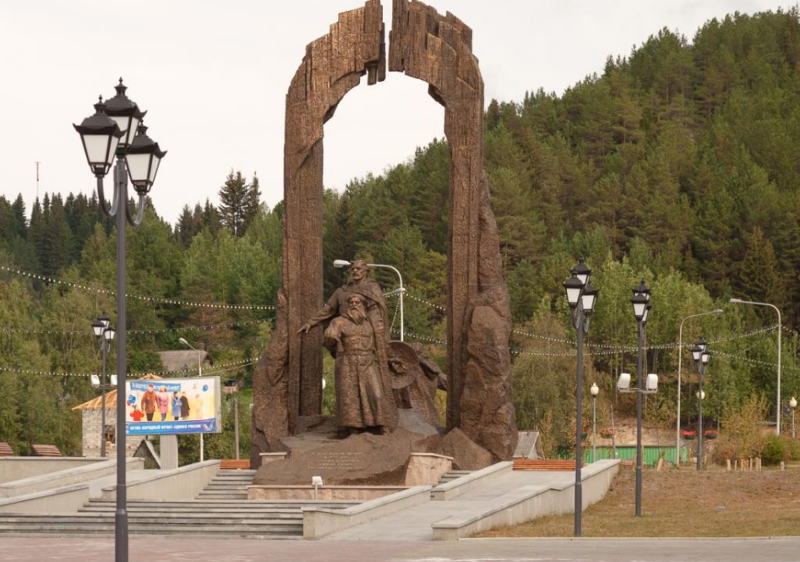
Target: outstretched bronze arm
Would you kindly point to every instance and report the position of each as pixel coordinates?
(328, 311)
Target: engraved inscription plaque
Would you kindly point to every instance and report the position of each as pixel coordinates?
(343, 460)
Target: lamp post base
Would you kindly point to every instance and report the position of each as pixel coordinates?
(121, 534)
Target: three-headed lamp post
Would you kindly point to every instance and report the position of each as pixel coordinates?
(680, 362)
(104, 334)
(582, 298)
(116, 130)
(701, 357)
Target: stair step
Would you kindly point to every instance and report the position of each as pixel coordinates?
(66, 528)
(250, 535)
(236, 479)
(100, 519)
(214, 508)
(452, 475)
(220, 513)
(215, 503)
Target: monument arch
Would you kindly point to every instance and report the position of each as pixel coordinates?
(438, 50)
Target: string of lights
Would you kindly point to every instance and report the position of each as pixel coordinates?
(788, 330)
(529, 352)
(147, 298)
(216, 369)
(631, 348)
(419, 337)
(394, 317)
(88, 332)
(739, 357)
(414, 297)
(607, 349)
(745, 335)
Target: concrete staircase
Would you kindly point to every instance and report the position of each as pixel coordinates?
(221, 510)
(217, 518)
(452, 475)
(228, 485)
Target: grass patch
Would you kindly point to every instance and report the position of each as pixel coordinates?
(683, 503)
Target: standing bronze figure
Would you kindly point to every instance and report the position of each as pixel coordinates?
(358, 340)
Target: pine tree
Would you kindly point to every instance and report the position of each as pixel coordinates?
(211, 220)
(8, 227)
(759, 276)
(55, 248)
(184, 228)
(36, 231)
(19, 214)
(343, 242)
(251, 203)
(234, 197)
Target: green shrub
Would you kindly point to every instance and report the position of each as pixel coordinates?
(724, 449)
(793, 446)
(741, 436)
(775, 450)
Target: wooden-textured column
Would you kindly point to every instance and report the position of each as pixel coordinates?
(438, 49)
(288, 379)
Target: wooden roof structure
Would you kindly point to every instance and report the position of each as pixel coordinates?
(111, 397)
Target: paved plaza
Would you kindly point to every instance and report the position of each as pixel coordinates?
(415, 523)
(161, 549)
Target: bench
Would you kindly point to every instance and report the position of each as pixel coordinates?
(234, 464)
(524, 464)
(5, 450)
(46, 451)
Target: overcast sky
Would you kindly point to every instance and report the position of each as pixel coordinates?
(213, 76)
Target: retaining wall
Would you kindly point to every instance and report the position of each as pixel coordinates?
(183, 483)
(17, 468)
(66, 477)
(67, 499)
(512, 510)
(318, 522)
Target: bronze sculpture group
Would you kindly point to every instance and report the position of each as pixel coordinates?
(358, 340)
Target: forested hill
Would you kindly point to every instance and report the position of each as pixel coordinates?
(686, 151)
(677, 164)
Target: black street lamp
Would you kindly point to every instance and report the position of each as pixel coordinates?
(582, 298)
(701, 357)
(641, 310)
(105, 335)
(108, 133)
(595, 390)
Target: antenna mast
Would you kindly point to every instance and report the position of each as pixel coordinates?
(37, 179)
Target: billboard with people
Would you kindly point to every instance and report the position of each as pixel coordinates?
(173, 406)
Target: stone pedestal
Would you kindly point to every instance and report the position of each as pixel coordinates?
(168, 452)
(267, 458)
(425, 469)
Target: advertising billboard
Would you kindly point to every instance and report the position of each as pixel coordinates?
(173, 406)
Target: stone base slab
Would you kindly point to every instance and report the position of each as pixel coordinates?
(323, 493)
(425, 469)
